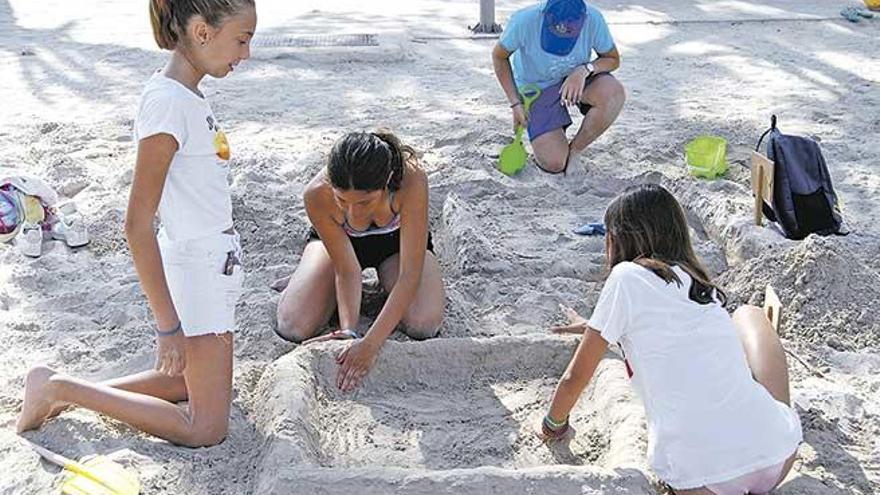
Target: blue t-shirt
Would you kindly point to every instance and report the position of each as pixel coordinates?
(532, 65)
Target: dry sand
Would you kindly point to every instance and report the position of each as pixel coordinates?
(453, 415)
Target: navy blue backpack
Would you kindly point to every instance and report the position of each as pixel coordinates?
(803, 197)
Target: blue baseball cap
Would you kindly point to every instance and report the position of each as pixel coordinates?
(562, 24)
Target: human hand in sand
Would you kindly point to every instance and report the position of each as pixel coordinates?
(171, 355)
(520, 118)
(576, 323)
(572, 87)
(354, 363)
(550, 436)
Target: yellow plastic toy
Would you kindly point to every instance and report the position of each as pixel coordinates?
(97, 475)
(706, 156)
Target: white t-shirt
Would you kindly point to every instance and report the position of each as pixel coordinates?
(196, 199)
(708, 419)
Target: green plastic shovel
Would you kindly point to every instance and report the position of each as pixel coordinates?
(514, 156)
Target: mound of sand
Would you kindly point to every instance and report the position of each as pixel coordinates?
(829, 293)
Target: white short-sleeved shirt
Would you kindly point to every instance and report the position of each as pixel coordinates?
(196, 199)
(708, 419)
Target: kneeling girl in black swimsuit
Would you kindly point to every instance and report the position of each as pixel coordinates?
(369, 209)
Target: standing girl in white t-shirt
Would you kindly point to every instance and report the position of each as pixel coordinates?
(190, 272)
(715, 388)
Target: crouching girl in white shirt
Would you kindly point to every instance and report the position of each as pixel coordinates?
(715, 388)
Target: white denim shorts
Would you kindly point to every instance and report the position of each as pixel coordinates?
(203, 295)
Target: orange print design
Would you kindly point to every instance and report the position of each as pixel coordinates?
(221, 145)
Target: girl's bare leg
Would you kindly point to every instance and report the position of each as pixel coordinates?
(208, 380)
(310, 297)
(766, 358)
(424, 315)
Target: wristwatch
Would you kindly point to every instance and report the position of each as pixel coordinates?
(590, 68)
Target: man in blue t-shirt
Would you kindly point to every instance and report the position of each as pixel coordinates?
(552, 45)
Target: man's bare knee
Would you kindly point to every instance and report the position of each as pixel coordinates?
(611, 97)
(554, 163)
(618, 96)
(618, 93)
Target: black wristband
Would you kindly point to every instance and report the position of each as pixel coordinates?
(512, 105)
(166, 333)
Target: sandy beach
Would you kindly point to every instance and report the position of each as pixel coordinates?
(454, 414)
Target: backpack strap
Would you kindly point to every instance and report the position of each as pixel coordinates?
(768, 212)
(772, 128)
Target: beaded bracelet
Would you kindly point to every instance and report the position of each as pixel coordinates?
(554, 434)
(552, 429)
(555, 425)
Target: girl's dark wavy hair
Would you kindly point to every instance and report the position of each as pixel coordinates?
(647, 226)
(369, 161)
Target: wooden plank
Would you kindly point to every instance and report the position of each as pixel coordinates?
(768, 168)
(762, 183)
(772, 307)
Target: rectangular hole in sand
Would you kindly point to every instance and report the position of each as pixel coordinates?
(420, 413)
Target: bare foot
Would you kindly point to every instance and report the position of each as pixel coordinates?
(38, 404)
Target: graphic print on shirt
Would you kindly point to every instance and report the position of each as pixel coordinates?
(561, 67)
(221, 144)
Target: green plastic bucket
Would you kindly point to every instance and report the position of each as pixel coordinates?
(706, 156)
